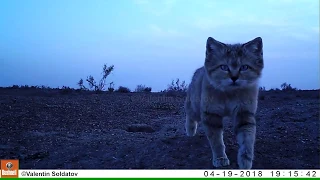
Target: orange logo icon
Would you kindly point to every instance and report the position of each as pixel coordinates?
(9, 168)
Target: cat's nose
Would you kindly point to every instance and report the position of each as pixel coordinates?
(234, 78)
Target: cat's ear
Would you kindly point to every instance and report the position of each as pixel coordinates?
(214, 45)
(255, 46)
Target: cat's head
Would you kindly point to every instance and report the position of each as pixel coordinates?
(234, 66)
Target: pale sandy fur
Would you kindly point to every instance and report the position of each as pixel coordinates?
(210, 99)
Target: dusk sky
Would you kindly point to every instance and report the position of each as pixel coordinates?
(151, 42)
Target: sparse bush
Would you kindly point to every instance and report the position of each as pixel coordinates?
(123, 89)
(111, 87)
(140, 88)
(30, 87)
(80, 84)
(15, 87)
(262, 88)
(44, 87)
(176, 86)
(276, 90)
(287, 87)
(24, 87)
(66, 90)
(101, 84)
(148, 89)
(143, 88)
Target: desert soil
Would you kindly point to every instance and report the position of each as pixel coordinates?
(50, 130)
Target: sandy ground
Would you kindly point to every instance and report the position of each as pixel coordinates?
(50, 130)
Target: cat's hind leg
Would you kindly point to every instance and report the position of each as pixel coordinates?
(192, 119)
(191, 126)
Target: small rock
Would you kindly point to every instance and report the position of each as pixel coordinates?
(140, 128)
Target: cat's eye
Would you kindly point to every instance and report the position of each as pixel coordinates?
(244, 68)
(224, 67)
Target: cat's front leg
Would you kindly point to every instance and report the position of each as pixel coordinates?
(214, 132)
(245, 129)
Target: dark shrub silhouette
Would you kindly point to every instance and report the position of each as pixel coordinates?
(123, 89)
(93, 85)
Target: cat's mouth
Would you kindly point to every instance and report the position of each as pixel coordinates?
(234, 84)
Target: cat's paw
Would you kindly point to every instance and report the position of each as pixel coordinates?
(245, 158)
(220, 162)
(244, 163)
(191, 128)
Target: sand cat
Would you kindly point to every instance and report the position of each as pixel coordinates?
(226, 87)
